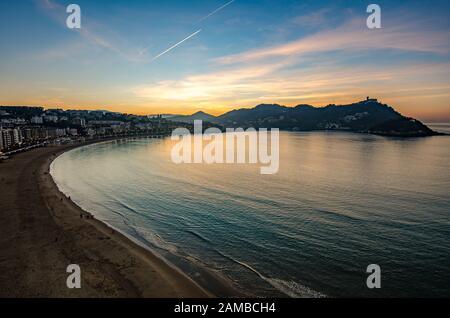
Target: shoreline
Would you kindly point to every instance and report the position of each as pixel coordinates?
(49, 232)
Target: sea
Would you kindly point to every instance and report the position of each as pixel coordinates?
(339, 203)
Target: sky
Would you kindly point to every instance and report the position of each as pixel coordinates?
(182, 56)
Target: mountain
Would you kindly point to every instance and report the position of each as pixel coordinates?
(367, 116)
(197, 116)
(259, 113)
(401, 127)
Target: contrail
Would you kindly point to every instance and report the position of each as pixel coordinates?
(175, 45)
(217, 10)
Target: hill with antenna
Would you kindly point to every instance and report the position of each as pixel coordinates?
(367, 116)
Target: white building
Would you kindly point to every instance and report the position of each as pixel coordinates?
(1, 139)
(72, 131)
(7, 138)
(79, 121)
(17, 136)
(10, 137)
(37, 120)
(60, 132)
(15, 121)
(51, 118)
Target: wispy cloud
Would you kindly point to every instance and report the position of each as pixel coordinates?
(350, 37)
(88, 32)
(314, 19)
(193, 34)
(225, 84)
(57, 12)
(316, 84)
(299, 71)
(293, 72)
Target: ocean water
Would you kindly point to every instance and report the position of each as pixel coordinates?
(442, 128)
(340, 202)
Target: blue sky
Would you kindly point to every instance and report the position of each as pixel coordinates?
(250, 52)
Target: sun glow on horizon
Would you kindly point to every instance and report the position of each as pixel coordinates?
(314, 56)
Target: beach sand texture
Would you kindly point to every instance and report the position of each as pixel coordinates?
(42, 232)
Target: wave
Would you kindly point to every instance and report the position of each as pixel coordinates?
(289, 288)
(199, 236)
(293, 289)
(152, 239)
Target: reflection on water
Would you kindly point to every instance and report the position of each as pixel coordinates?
(339, 203)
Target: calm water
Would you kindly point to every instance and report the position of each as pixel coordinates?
(442, 128)
(339, 203)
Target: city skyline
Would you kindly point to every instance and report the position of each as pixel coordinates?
(177, 57)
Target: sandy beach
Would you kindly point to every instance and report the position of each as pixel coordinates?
(42, 232)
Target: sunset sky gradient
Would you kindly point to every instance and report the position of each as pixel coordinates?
(247, 53)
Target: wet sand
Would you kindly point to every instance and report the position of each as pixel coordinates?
(43, 231)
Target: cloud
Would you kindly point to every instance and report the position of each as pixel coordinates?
(353, 35)
(57, 12)
(314, 19)
(318, 84)
(203, 87)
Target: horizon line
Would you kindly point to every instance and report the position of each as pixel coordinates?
(107, 109)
